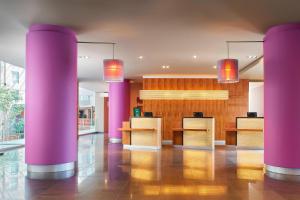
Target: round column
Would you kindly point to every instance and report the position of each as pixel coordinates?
(51, 102)
(119, 111)
(282, 99)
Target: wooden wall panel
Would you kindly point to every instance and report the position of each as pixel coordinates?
(134, 93)
(172, 111)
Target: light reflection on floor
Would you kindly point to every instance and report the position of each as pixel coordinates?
(106, 171)
(198, 165)
(250, 164)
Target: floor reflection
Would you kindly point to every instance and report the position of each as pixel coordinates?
(250, 164)
(106, 171)
(200, 190)
(145, 165)
(198, 165)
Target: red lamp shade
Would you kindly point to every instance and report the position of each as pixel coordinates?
(113, 70)
(228, 71)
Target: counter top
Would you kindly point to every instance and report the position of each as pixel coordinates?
(136, 129)
(244, 129)
(251, 117)
(200, 117)
(189, 129)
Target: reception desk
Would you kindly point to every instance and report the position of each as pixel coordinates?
(142, 133)
(197, 133)
(250, 132)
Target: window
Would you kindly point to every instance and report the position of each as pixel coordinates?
(12, 90)
(15, 76)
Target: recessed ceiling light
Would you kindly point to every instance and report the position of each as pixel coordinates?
(83, 57)
(251, 57)
(215, 67)
(165, 66)
(195, 56)
(141, 57)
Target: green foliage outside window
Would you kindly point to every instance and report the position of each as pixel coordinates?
(11, 113)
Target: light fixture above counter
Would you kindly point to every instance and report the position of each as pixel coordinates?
(184, 94)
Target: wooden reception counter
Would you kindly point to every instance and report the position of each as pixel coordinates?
(250, 132)
(198, 133)
(142, 132)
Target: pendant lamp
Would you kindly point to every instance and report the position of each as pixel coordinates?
(228, 70)
(113, 69)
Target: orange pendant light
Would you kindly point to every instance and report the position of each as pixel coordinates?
(228, 71)
(113, 69)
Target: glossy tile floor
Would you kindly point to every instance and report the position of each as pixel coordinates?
(106, 171)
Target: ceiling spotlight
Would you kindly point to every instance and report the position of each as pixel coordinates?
(165, 66)
(195, 56)
(141, 57)
(83, 57)
(215, 67)
(251, 57)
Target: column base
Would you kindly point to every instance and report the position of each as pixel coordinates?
(51, 172)
(282, 170)
(115, 140)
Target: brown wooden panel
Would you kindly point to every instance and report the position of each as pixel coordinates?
(177, 138)
(125, 134)
(231, 137)
(134, 94)
(172, 111)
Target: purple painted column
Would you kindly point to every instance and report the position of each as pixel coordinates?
(282, 99)
(119, 111)
(51, 102)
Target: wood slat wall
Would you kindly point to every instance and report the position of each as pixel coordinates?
(134, 93)
(172, 111)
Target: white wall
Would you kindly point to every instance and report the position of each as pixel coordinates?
(256, 98)
(99, 111)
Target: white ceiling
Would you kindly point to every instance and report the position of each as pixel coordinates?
(165, 32)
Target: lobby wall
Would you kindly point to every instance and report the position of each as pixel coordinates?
(99, 113)
(172, 111)
(135, 88)
(256, 98)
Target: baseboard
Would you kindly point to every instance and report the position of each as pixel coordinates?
(220, 142)
(115, 140)
(249, 148)
(166, 142)
(198, 148)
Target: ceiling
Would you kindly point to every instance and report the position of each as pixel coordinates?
(164, 32)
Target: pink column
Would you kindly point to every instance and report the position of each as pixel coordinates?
(51, 102)
(282, 99)
(119, 111)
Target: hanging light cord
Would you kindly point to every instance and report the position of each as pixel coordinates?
(111, 43)
(113, 51)
(227, 44)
